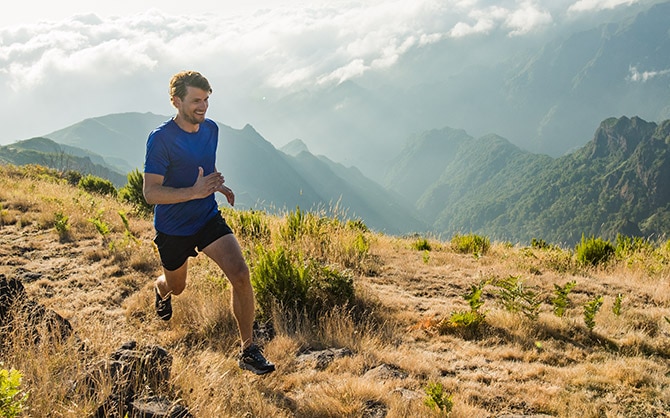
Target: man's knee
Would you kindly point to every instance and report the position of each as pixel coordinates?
(239, 275)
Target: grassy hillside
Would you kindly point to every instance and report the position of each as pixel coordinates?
(464, 328)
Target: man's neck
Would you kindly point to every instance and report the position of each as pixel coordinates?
(186, 126)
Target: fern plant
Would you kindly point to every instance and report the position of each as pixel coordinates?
(516, 297)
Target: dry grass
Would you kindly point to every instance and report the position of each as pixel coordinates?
(508, 365)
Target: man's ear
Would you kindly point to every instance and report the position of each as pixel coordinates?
(176, 101)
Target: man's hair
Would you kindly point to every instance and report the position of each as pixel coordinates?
(184, 79)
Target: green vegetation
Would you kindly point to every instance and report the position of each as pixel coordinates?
(516, 297)
(421, 244)
(94, 184)
(438, 398)
(133, 193)
(593, 251)
(284, 281)
(471, 244)
(61, 224)
(591, 308)
(561, 300)
(12, 398)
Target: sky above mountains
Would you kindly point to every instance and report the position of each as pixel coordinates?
(62, 62)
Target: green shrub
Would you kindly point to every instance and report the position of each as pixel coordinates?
(540, 244)
(62, 225)
(11, 397)
(561, 302)
(470, 244)
(94, 184)
(437, 398)
(472, 319)
(296, 287)
(591, 308)
(102, 227)
(616, 307)
(593, 251)
(517, 298)
(421, 244)
(625, 246)
(133, 193)
(72, 177)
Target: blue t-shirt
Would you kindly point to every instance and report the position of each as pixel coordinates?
(176, 155)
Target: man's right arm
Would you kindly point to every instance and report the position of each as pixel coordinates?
(157, 194)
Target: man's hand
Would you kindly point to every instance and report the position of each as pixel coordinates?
(206, 185)
(230, 196)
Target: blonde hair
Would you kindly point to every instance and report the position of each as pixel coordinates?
(184, 79)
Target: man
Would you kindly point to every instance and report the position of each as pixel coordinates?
(180, 178)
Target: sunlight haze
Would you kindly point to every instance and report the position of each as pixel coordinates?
(67, 61)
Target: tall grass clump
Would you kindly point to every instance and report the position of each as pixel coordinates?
(593, 251)
(326, 239)
(470, 244)
(250, 225)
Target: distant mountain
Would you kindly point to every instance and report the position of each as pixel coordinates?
(45, 152)
(545, 98)
(120, 137)
(261, 176)
(616, 183)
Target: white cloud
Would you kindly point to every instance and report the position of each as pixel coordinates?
(106, 60)
(644, 76)
(594, 5)
(527, 18)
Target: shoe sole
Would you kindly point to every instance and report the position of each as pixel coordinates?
(245, 366)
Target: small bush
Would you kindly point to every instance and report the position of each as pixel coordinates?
(94, 184)
(437, 398)
(616, 307)
(133, 193)
(421, 244)
(61, 223)
(471, 244)
(100, 225)
(561, 302)
(517, 298)
(593, 251)
(591, 308)
(11, 397)
(296, 287)
(540, 244)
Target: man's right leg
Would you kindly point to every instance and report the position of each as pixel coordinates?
(171, 282)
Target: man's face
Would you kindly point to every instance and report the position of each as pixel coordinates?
(193, 106)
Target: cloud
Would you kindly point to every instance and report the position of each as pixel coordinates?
(644, 76)
(106, 61)
(595, 5)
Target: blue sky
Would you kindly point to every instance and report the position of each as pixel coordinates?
(61, 62)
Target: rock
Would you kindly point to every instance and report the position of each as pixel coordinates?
(321, 359)
(385, 372)
(132, 370)
(37, 321)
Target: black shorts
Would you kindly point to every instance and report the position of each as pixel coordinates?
(175, 250)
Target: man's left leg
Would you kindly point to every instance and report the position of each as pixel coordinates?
(226, 252)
